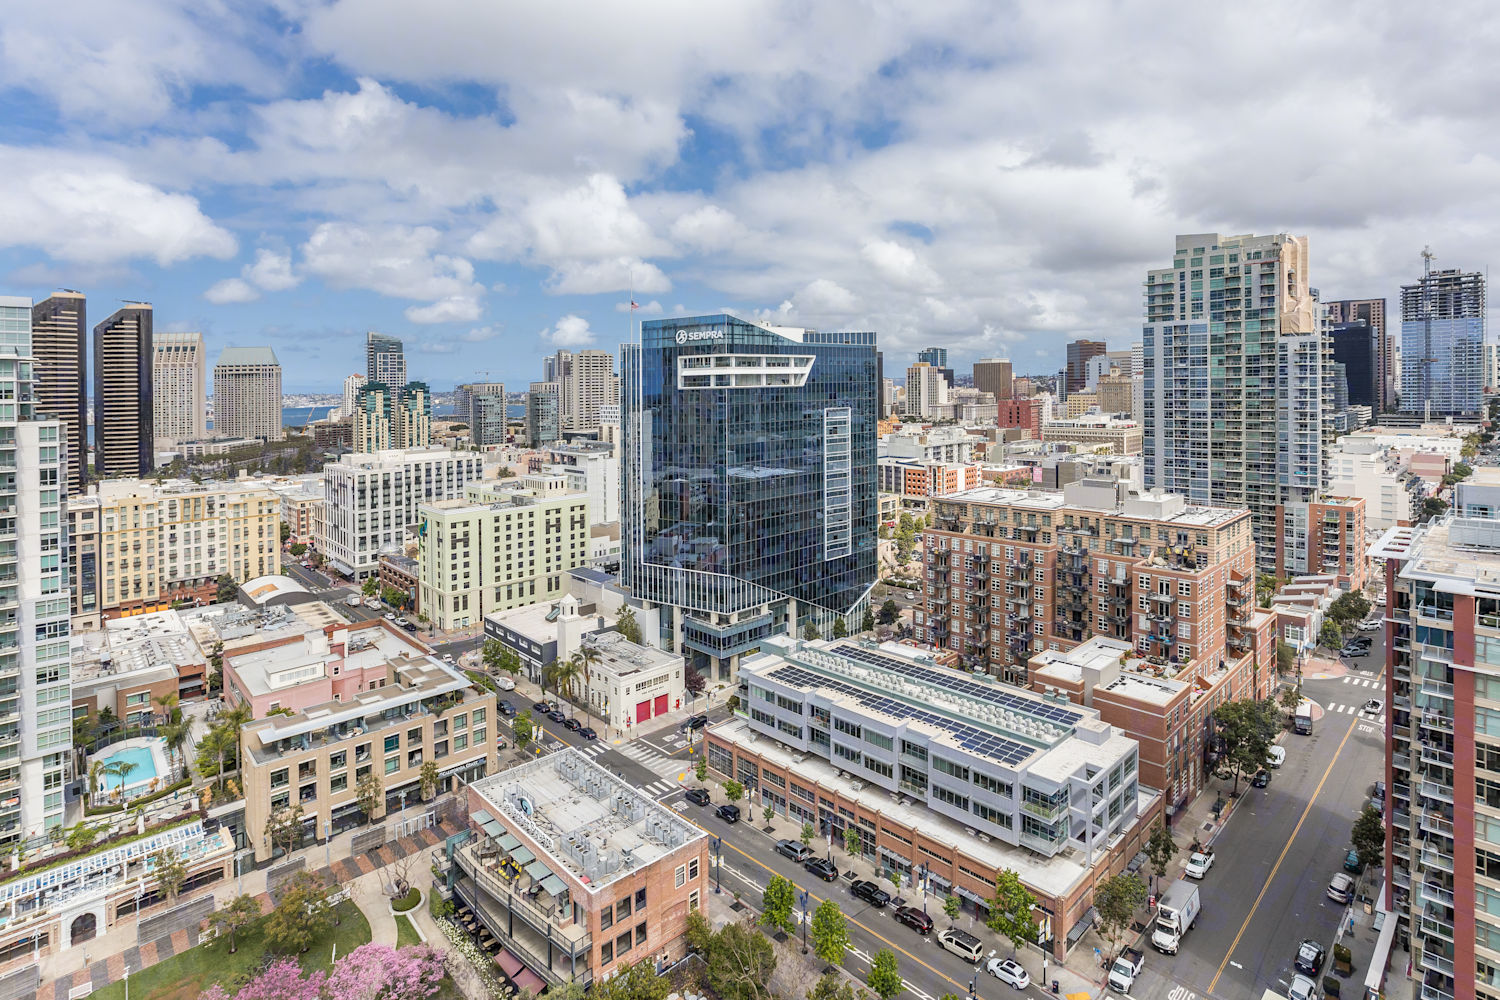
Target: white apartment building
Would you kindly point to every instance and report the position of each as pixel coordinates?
(591, 468)
(352, 384)
(36, 714)
(179, 388)
(463, 398)
(1377, 474)
(247, 394)
(499, 547)
(370, 499)
(937, 444)
(590, 383)
(926, 390)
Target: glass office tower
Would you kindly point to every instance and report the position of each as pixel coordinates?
(749, 481)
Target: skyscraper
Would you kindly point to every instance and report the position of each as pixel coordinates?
(1233, 378)
(414, 416)
(179, 368)
(1372, 313)
(749, 473)
(464, 396)
(36, 699)
(247, 394)
(1079, 352)
(588, 383)
(123, 398)
(60, 346)
(387, 417)
(353, 382)
(937, 357)
(542, 414)
(926, 389)
(1354, 347)
(385, 360)
(993, 375)
(1442, 341)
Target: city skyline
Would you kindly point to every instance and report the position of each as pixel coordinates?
(297, 179)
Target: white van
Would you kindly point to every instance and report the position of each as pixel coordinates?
(966, 946)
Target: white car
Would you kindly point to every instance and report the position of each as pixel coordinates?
(1275, 756)
(390, 616)
(1372, 707)
(1373, 625)
(1198, 865)
(1341, 888)
(447, 657)
(353, 602)
(1009, 972)
(1302, 988)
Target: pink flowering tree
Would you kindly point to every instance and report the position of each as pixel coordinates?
(380, 972)
(281, 980)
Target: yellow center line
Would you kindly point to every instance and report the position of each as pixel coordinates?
(869, 930)
(1274, 868)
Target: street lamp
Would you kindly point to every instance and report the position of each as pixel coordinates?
(718, 861)
(805, 916)
(924, 888)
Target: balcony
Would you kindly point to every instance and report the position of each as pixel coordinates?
(1436, 860)
(1434, 756)
(1432, 790)
(1431, 892)
(1433, 993)
(555, 921)
(1043, 845)
(1049, 811)
(1434, 962)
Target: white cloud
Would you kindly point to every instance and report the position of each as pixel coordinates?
(90, 210)
(271, 271)
(706, 228)
(570, 331)
(899, 265)
(822, 297)
(231, 290)
(595, 276)
(399, 262)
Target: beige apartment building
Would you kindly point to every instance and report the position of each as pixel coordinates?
(1096, 432)
(159, 544)
(247, 394)
(500, 547)
(178, 374)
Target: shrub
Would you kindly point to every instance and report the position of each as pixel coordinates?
(409, 901)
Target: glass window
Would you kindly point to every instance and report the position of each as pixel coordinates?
(392, 765)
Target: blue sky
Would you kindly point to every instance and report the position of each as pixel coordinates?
(487, 180)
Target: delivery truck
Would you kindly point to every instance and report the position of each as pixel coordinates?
(1175, 916)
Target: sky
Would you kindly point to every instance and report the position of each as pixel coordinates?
(493, 181)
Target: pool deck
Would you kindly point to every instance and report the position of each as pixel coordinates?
(139, 781)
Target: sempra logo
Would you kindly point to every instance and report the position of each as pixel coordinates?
(693, 336)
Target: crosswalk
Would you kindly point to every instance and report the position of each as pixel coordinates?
(657, 763)
(1338, 709)
(1353, 681)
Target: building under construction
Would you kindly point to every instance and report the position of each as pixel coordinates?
(1442, 342)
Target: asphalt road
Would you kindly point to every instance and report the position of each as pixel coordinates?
(1267, 890)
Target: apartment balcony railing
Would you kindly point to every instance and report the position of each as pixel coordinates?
(1433, 893)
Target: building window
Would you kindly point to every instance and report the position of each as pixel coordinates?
(692, 869)
(392, 742)
(693, 901)
(622, 944)
(640, 934)
(606, 953)
(680, 877)
(392, 765)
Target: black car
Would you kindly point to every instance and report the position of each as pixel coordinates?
(914, 918)
(822, 867)
(556, 716)
(588, 733)
(729, 813)
(696, 722)
(698, 796)
(1310, 957)
(541, 707)
(870, 893)
(506, 709)
(572, 725)
(1262, 779)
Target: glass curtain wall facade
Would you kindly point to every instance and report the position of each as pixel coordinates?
(749, 482)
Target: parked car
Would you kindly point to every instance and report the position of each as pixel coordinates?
(587, 732)
(1275, 756)
(1009, 972)
(697, 796)
(557, 716)
(409, 626)
(541, 707)
(1262, 779)
(1372, 707)
(1310, 957)
(696, 722)
(728, 812)
(914, 918)
(400, 620)
(822, 867)
(572, 725)
(1341, 888)
(961, 943)
(447, 657)
(353, 602)
(793, 849)
(505, 684)
(390, 616)
(1373, 625)
(1351, 862)
(1302, 988)
(1126, 968)
(870, 893)
(1378, 790)
(506, 709)
(1198, 864)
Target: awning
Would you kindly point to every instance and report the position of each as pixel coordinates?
(530, 981)
(481, 817)
(538, 870)
(971, 895)
(494, 829)
(1084, 922)
(1387, 923)
(522, 856)
(507, 841)
(553, 885)
(509, 964)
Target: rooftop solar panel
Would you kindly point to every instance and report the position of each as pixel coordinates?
(952, 681)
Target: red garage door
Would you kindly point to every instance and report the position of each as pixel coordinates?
(643, 711)
(661, 704)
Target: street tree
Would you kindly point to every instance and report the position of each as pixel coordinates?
(733, 790)
(1368, 837)
(884, 979)
(700, 770)
(369, 793)
(637, 981)
(1115, 901)
(952, 905)
(1010, 910)
(777, 902)
(171, 872)
(284, 828)
(523, 727)
(769, 812)
(1330, 635)
(830, 933)
(851, 839)
(500, 658)
(738, 960)
(370, 587)
(1160, 850)
(234, 916)
(889, 612)
(1247, 727)
(833, 986)
(1290, 698)
(1285, 657)
(807, 833)
(302, 913)
(429, 778)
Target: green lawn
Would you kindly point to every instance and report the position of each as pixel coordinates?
(405, 933)
(184, 976)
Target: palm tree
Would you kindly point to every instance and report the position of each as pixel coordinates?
(170, 710)
(587, 657)
(120, 769)
(175, 736)
(563, 673)
(96, 771)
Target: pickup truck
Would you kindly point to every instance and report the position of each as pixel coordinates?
(1198, 864)
(1175, 915)
(1122, 974)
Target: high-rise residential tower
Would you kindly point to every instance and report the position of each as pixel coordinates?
(1079, 352)
(35, 692)
(1442, 343)
(179, 385)
(937, 357)
(124, 401)
(388, 417)
(1233, 378)
(993, 375)
(353, 382)
(464, 396)
(59, 347)
(749, 470)
(590, 383)
(385, 360)
(1371, 312)
(1355, 347)
(247, 394)
(542, 414)
(926, 389)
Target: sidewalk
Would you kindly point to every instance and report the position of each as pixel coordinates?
(528, 692)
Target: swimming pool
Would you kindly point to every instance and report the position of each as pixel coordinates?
(143, 773)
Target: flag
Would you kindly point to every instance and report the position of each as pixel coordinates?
(633, 304)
